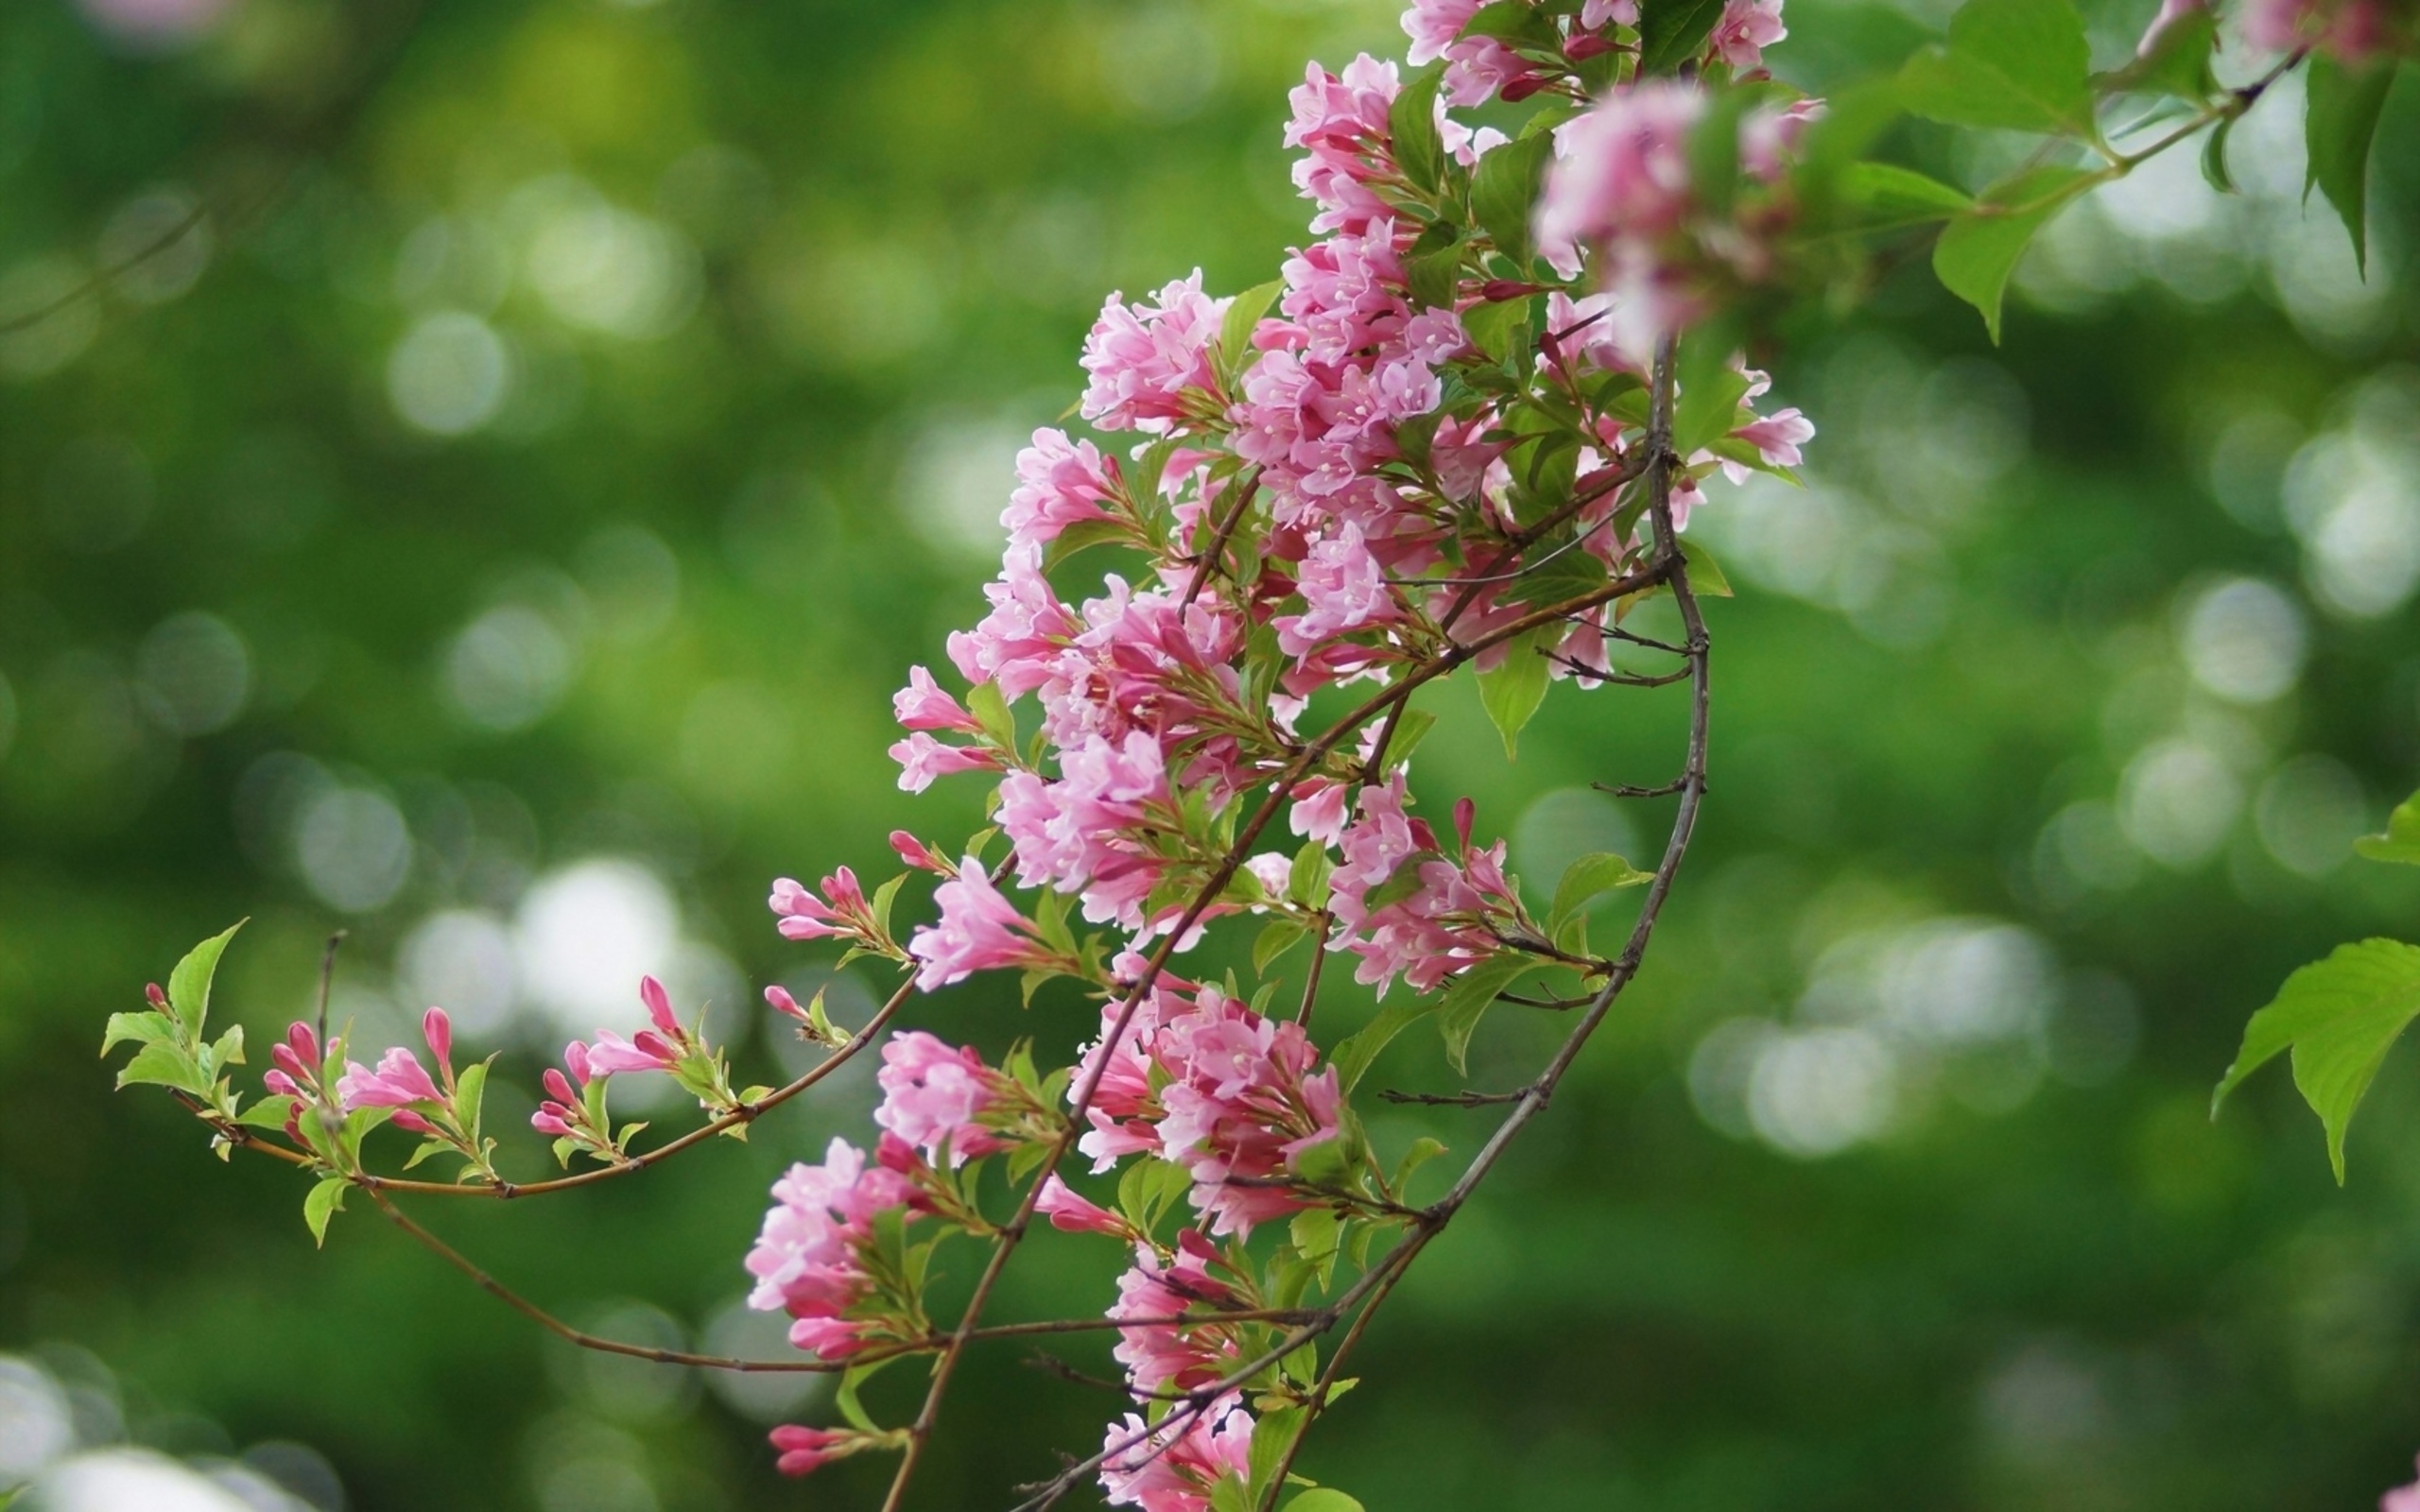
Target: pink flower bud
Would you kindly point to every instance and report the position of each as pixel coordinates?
(1073, 1214)
(651, 1043)
(439, 1031)
(280, 1084)
(1586, 45)
(920, 855)
(558, 1086)
(659, 1005)
(1522, 88)
(576, 1058)
(783, 1004)
(305, 1042)
(803, 1448)
(1466, 811)
(548, 1120)
(412, 1122)
(159, 998)
(288, 1064)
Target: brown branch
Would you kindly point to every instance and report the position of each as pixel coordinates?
(1207, 561)
(1625, 790)
(1454, 1099)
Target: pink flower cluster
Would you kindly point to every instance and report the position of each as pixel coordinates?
(1178, 1468)
(809, 1260)
(2351, 31)
(1438, 915)
(945, 1101)
(399, 1081)
(1203, 1082)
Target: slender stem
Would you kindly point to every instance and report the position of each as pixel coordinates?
(1207, 562)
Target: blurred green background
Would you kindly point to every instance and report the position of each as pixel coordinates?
(494, 529)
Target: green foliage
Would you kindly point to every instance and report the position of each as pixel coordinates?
(189, 984)
(1979, 248)
(1323, 1499)
(1502, 191)
(1671, 31)
(1512, 691)
(2338, 128)
(2401, 842)
(326, 1200)
(1585, 881)
(2018, 64)
(1470, 995)
(2339, 1017)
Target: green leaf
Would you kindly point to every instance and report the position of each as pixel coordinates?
(1711, 388)
(1355, 1051)
(2339, 123)
(146, 1028)
(1496, 328)
(1512, 691)
(1282, 935)
(2214, 157)
(1234, 330)
(1671, 31)
(2338, 1016)
(2179, 62)
(1893, 196)
(1979, 248)
(189, 984)
(1470, 996)
(991, 710)
(1079, 535)
(1324, 1499)
(325, 1201)
(2401, 841)
(1504, 190)
(229, 1051)
(1588, 879)
(1409, 731)
(1424, 1150)
(1435, 276)
(163, 1063)
(1271, 1438)
(2019, 64)
(1706, 578)
(852, 1410)
(269, 1112)
(1412, 122)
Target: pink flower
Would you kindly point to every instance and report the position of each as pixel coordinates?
(1746, 29)
(920, 855)
(1146, 359)
(923, 705)
(1016, 643)
(1343, 589)
(1319, 809)
(1071, 1214)
(438, 1030)
(1060, 483)
(1594, 16)
(1622, 187)
(645, 1051)
(398, 1082)
(1478, 67)
(979, 931)
(1241, 1104)
(659, 1007)
(1452, 918)
(922, 759)
(1091, 831)
(807, 1260)
(803, 1450)
(847, 914)
(1769, 138)
(934, 1094)
(1177, 1468)
(1125, 1108)
(1163, 1356)
(2402, 1499)
(2351, 31)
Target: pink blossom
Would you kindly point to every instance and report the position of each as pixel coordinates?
(920, 855)
(1319, 809)
(1777, 439)
(1477, 67)
(803, 1450)
(659, 1007)
(1146, 359)
(843, 913)
(645, 1051)
(1343, 590)
(1175, 1469)
(1016, 642)
(1125, 1108)
(807, 1258)
(1071, 1214)
(1746, 29)
(1594, 16)
(2351, 31)
(1164, 1356)
(1769, 138)
(1060, 483)
(438, 1030)
(1240, 1103)
(979, 931)
(922, 759)
(923, 705)
(933, 1096)
(1452, 916)
(398, 1082)
(1624, 173)
(1089, 832)
(2402, 1499)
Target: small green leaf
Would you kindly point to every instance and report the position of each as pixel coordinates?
(1979, 249)
(1711, 388)
(162, 1063)
(1496, 328)
(2401, 841)
(1324, 1499)
(1588, 879)
(1282, 935)
(1355, 1051)
(852, 1410)
(2019, 64)
(1671, 31)
(1435, 276)
(2339, 1016)
(1893, 196)
(269, 1112)
(1078, 535)
(1243, 316)
(1271, 1438)
(2339, 125)
(189, 984)
(991, 710)
(325, 1201)
(1468, 998)
(1412, 122)
(1512, 691)
(229, 1051)
(2179, 62)
(144, 1029)
(2214, 157)
(1409, 731)
(1504, 191)
(1706, 578)
(1424, 1150)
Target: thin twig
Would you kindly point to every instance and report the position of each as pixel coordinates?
(1454, 1099)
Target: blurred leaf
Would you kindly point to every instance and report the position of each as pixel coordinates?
(2339, 123)
(1588, 879)
(2019, 64)
(1671, 31)
(1324, 1499)
(1979, 248)
(1902, 197)
(2401, 841)
(2339, 1016)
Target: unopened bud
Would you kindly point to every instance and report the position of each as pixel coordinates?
(159, 998)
